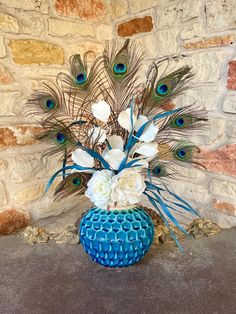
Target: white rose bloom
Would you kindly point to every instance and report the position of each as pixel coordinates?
(127, 187)
(99, 188)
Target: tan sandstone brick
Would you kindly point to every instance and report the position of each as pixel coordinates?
(224, 207)
(30, 51)
(221, 160)
(20, 4)
(18, 135)
(68, 28)
(210, 42)
(119, 8)
(84, 9)
(8, 23)
(135, 26)
(10, 105)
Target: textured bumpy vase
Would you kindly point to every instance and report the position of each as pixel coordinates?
(116, 238)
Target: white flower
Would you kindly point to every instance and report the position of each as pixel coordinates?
(82, 158)
(127, 187)
(147, 149)
(99, 188)
(150, 131)
(124, 119)
(116, 141)
(97, 134)
(101, 110)
(114, 157)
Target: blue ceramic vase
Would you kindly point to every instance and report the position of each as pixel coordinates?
(116, 238)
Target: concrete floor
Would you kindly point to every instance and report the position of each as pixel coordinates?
(56, 279)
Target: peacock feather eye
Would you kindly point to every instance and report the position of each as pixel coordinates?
(81, 78)
(76, 181)
(61, 138)
(120, 68)
(49, 104)
(183, 153)
(162, 89)
(159, 171)
(182, 121)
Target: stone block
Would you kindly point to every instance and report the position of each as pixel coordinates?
(191, 192)
(8, 23)
(207, 96)
(12, 221)
(22, 4)
(30, 167)
(191, 31)
(231, 128)
(207, 65)
(229, 103)
(222, 188)
(231, 81)
(10, 104)
(104, 32)
(161, 43)
(210, 42)
(29, 194)
(140, 5)
(221, 160)
(5, 76)
(220, 14)
(177, 13)
(30, 51)
(62, 28)
(119, 8)
(32, 23)
(47, 207)
(2, 48)
(3, 198)
(224, 207)
(18, 135)
(83, 9)
(83, 47)
(135, 26)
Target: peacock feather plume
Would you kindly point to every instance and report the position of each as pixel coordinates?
(134, 131)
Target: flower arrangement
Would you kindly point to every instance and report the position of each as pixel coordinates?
(118, 139)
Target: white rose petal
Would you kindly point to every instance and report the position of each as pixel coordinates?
(97, 134)
(82, 158)
(101, 110)
(116, 141)
(99, 188)
(127, 187)
(114, 157)
(124, 119)
(149, 133)
(141, 120)
(147, 149)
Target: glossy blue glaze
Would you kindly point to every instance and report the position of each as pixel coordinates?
(116, 238)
